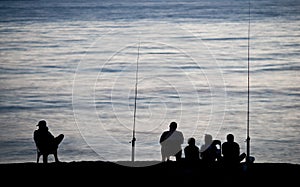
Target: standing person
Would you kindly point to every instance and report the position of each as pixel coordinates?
(191, 151)
(231, 151)
(45, 142)
(170, 142)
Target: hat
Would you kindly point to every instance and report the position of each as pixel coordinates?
(41, 123)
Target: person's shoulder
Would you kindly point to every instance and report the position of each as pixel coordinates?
(236, 143)
(224, 143)
(180, 133)
(163, 134)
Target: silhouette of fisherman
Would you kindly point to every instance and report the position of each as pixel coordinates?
(231, 152)
(45, 142)
(191, 151)
(209, 151)
(170, 142)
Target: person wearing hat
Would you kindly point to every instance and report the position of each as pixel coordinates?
(45, 142)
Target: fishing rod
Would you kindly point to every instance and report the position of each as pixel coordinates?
(248, 93)
(135, 99)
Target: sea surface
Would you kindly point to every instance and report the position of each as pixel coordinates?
(101, 72)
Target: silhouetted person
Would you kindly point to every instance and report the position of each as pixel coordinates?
(231, 152)
(191, 151)
(170, 142)
(207, 142)
(209, 151)
(45, 142)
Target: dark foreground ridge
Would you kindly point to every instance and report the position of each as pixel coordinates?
(141, 173)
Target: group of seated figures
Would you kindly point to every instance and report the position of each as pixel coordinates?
(210, 152)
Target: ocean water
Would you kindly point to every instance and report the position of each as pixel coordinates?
(76, 64)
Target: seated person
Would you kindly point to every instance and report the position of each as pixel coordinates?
(231, 151)
(45, 142)
(191, 151)
(170, 141)
(209, 152)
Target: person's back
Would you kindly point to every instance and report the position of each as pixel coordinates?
(231, 151)
(191, 151)
(209, 151)
(46, 142)
(171, 141)
(43, 139)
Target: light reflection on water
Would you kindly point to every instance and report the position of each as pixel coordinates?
(80, 77)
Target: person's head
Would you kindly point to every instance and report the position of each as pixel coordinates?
(173, 126)
(230, 137)
(208, 139)
(42, 124)
(192, 141)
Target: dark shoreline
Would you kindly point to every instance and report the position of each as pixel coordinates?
(150, 173)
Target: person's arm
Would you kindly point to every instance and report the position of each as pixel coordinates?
(224, 149)
(162, 137)
(50, 136)
(182, 138)
(35, 136)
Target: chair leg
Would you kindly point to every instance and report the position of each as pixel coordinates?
(55, 156)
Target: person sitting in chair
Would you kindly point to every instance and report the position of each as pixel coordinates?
(45, 142)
